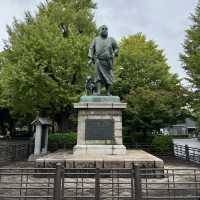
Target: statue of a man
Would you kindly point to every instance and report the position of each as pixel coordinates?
(101, 53)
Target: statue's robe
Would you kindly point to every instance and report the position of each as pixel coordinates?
(102, 51)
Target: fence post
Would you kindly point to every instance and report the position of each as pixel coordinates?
(173, 150)
(138, 184)
(97, 184)
(28, 149)
(58, 186)
(187, 154)
(16, 153)
(132, 182)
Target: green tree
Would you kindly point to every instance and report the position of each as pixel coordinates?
(191, 61)
(45, 59)
(154, 95)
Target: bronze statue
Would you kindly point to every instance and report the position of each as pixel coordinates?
(101, 53)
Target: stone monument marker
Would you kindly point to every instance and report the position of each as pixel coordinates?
(41, 135)
(100, 125)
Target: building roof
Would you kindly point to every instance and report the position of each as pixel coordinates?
(189, 123)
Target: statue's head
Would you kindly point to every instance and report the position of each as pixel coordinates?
(103, 31)
(89, 78)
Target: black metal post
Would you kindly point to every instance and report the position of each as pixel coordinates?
(97, 184)
(173, 150)
(15, 147)
(132, 182)
(138, 184)
(187, 154)
(28, 150)
(58, 190)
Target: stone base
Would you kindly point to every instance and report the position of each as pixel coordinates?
(132, 157)
(100, 149)
(100, 123)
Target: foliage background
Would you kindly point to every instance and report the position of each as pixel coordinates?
(44, 65)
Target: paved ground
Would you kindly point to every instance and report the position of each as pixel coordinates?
(172, 163)
(193, 142)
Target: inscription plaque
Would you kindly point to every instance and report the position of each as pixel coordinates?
(99, 129)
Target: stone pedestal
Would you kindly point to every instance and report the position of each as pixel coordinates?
(99, 126)
(99, 143)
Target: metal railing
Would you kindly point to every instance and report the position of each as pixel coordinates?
(15, 152)
(178, 151)
(99, 184)
(187, 153)
(26, 183)
(54, 146)
(172, 184)
(153, 149)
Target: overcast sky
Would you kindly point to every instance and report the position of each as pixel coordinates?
(163, 21)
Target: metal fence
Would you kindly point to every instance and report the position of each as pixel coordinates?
(26, 183)
(187, 153)
(174, 184)
(147, 147)
(99, 184)
(15, 151)
(55, 146)
(151, 148)
(21, 151)
(178, 151)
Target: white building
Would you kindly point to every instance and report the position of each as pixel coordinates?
(187, 128)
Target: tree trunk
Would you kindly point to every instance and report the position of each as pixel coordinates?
(12, 127)
(65, 124)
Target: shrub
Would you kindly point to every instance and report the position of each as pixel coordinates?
(138, 137)
(179, 136)
(162, 144)
(61, 140)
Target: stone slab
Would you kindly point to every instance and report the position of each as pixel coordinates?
(99, 129)
(132, 157)
(100, 105)
(100, 113)
(99, 149)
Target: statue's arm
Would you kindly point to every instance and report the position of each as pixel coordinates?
(115, 47)
(91, 52)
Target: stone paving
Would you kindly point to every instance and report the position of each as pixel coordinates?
(140, 157)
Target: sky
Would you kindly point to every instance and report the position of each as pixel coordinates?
(163, 21)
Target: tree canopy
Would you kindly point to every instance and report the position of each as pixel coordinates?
(44, 63)
(191, 61)
(153, 94)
